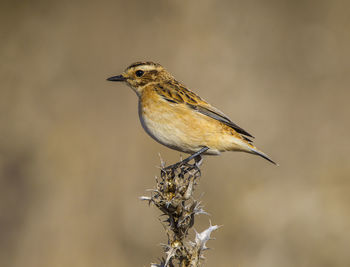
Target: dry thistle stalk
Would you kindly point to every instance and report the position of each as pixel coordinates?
(173, 196)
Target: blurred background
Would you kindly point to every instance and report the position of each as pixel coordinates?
(74, 158)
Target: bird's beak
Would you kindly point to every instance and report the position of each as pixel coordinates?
(119, 78)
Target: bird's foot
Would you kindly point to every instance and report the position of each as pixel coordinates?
(197, 160)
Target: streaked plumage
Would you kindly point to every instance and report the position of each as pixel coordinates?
(178, 118)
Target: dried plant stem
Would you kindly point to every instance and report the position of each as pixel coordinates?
(173, 196)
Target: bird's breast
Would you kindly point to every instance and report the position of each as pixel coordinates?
(159, 122)
(177, 126)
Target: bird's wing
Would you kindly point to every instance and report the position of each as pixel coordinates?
(176, 93)
(216, 114)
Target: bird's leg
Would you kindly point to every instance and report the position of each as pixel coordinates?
(196, 156)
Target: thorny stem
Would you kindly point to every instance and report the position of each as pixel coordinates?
(173, 196)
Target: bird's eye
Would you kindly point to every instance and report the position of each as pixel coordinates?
(139, 73)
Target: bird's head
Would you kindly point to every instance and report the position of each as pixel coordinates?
(140, 74)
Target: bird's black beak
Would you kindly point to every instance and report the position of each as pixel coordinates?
(119, 78)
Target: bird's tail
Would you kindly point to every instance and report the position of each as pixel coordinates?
(261, 154)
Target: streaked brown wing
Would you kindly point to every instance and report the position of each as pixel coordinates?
(218, 115)
(176, 93)
(168, 93)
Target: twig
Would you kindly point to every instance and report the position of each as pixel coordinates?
(173, 196)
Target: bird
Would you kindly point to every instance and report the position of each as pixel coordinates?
(178, 118)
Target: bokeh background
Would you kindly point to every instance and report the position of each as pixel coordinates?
(74, 158)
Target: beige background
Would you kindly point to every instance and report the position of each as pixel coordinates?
(74, 158)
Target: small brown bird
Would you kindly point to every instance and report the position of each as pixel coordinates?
(178, 118)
